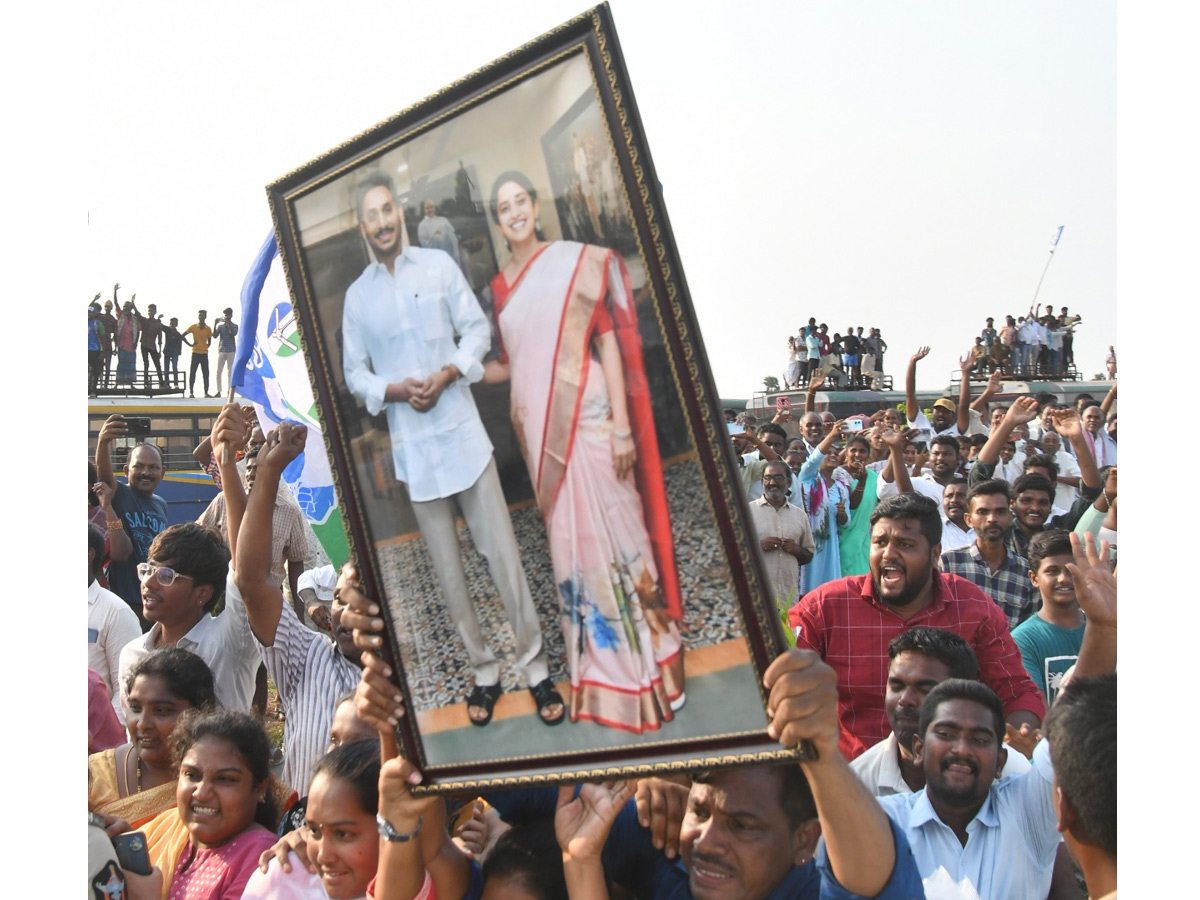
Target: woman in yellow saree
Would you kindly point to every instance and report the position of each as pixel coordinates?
(136, 781)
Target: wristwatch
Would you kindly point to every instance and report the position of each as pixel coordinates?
(388, 833)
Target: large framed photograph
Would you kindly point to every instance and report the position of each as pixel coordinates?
(525, 436)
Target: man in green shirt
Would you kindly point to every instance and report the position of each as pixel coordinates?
(1049, 641)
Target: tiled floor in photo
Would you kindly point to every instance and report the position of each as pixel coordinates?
(436, 665)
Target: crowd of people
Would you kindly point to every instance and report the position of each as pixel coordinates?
(1035, 345)
(118, 331)
(945, 577)
(852, 361)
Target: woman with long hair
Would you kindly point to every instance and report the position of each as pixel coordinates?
(581, 409)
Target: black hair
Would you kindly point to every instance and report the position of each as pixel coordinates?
(1087, 399)
(370, 181)
(1042, 461)
(529, 853)
(947, 440)
(1082, 730)
(987, 488)
(912, 506)
(1051, 542)
(196, 550)
(1033, 482)
(778, 462)
(357, 763)
(962, 689)
(186, 676)
(96, 545)
(519, 178)
(858, 439)
(1044, 397)
(772, 428)
(940, 644)
(795, 796)
(249, 741)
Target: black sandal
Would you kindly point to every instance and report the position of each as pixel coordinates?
(544, 695)
(483, 698)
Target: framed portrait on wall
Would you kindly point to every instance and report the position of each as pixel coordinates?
(526, 442)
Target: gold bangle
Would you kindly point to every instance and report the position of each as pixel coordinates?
(114, 524)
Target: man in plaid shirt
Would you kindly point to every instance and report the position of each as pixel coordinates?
(989, 563)
(849, 622)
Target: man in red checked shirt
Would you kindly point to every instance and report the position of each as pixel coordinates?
(849, 622)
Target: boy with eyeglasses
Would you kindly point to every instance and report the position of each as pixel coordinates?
(183, 579)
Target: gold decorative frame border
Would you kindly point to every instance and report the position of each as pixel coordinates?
(700, 408)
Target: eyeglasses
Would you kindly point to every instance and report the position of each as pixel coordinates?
(776, 479)
(166, 575)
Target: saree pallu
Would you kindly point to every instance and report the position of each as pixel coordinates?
(821, 500)
(104, 793)
(610, 538)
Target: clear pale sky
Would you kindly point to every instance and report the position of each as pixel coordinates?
(906, 159)
(900, 165)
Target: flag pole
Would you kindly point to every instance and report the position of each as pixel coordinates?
(1053, 244)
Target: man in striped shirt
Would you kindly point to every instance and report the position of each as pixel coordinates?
(988, 561)
(310, 670)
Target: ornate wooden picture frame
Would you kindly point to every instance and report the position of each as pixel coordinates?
(520, 416)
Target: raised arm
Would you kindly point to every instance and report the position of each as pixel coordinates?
(228, 434)
(120, 548)
(815, 383)
(1023, 411)
(419, 827)
(1067, 424)
(964, 395)
(910, 384)
(1096, 590)
(1109, 399)
(581, 825)
(114, 427)
(203, 452)
(802, 704)
(252, 563)
(895, 470)
(764, 450)
(990, 390)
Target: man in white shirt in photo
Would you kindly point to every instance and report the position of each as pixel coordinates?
(400, 355)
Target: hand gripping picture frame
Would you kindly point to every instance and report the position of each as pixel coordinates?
(534, 472)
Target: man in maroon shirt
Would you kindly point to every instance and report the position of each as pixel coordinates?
(849, 622)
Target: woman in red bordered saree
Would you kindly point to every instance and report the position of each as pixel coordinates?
(581, 409)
